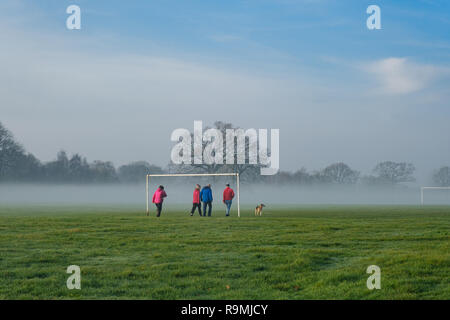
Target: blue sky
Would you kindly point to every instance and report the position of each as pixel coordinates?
(244, 30)
(336, 90)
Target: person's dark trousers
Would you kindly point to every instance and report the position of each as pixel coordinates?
(158, 209)
(196, 206)
(209, 204)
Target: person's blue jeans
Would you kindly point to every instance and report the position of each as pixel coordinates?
(228, 204)
(209, 203)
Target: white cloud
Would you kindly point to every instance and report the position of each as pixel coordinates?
(402, 76)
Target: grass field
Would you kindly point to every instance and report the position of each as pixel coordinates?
(290, 253)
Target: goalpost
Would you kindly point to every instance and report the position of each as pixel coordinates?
(147, 180)
(422, 189)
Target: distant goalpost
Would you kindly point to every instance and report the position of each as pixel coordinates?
(422, 189)
(147, 181)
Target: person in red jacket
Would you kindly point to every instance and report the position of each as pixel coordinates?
(228, 195)
(196, 201)
(158, 198)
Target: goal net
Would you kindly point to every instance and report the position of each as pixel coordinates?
(435, 195)
(180, 187)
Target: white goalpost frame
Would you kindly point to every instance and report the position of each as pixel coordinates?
(147, 180)
(422, 189)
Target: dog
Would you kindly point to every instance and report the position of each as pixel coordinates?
(258, 209)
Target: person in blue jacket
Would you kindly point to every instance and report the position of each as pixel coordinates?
(207, 198)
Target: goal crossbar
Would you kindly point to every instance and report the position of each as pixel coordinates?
(422, 189)
(147, 181)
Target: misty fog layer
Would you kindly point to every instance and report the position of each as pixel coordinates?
(179, 194)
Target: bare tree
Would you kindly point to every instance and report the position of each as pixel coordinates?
(136, 171)
(394, 172)
(15, 163)
(340, 173)
(247, 170)
(9, 151)
(442, 177)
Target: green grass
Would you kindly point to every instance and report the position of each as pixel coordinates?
(289, 253)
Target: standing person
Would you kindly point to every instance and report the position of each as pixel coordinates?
(158, 198)
(196, 201)
(207, 198)
(228, 195)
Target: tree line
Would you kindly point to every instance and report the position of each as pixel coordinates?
(17, 165)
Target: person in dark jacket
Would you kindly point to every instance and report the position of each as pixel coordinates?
(207, 198)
